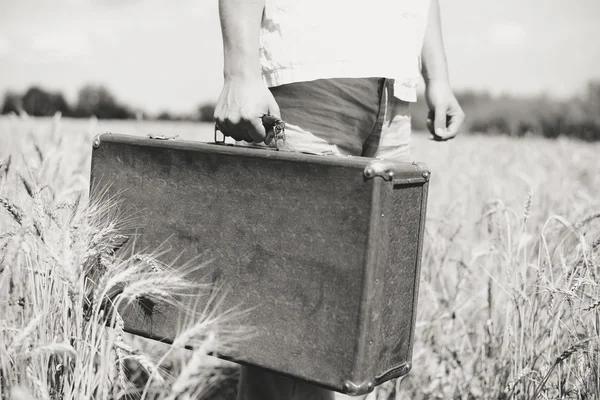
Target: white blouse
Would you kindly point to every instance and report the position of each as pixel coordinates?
(303, 40)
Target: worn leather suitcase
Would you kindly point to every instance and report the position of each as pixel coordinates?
(324, 251)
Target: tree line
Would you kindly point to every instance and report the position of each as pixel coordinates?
(511, 115)
(92, 100)
(578, 116)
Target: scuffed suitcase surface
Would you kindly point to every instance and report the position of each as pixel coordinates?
(401, 276)
(290, 237)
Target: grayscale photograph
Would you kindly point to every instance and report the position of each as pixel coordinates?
(299, 200)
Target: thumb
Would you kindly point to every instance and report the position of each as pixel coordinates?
(274, 109)
(271, 120)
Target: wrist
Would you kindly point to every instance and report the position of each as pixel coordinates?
(241, 64)
(240, 70)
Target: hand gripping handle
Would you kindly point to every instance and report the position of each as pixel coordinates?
(275, 128)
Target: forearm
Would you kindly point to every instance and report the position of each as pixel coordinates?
(433, 55)
(240, 27)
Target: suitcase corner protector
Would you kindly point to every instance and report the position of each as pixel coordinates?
(396, 372)
(98, 139)
(353, 389)
(425, 172)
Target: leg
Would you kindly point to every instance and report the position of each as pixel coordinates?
(259, 384)
(395, 136)
(392, 140)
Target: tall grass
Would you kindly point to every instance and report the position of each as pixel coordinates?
(66, 272)
(520, 317)
(509, 303)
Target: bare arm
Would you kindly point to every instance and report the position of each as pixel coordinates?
(240, 28)
(433, 54)
(244, 98)
(445, 115)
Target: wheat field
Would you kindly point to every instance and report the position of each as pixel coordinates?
(509, 304)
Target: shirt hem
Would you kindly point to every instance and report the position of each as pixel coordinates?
(304, 73)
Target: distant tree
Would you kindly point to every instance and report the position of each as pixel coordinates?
(37, 102)
(468, 98)
(593, 97)
(206, 112)
(97, 100)
(59, 104)
(90, 98)
(40, 103)
(11, 103)
(165, 116)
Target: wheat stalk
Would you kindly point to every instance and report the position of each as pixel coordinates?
(510, 386)
(39, 386)
(14, 210)
(120, 366)
(149, 261)
(5, 165)
(592, 306)
(26, 334)
(190, 375)
(527, 208)
(53, 348)
(562, 357)
(20, 393)
(151, 368)
(586, 220)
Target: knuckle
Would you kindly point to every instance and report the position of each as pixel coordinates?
(232, 119)
(246, 113)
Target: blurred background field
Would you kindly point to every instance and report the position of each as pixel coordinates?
(506, 114)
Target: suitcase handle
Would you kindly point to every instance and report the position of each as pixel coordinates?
(274, 126)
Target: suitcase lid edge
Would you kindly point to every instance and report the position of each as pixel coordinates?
(400, 172)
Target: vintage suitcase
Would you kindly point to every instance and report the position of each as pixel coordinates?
(324, 251)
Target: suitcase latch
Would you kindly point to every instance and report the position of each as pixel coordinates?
(161, 137)
(379, 168)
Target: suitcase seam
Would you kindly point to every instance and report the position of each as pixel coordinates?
(425, 193)
(372, 270)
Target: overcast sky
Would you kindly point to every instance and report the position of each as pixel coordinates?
(160, 54)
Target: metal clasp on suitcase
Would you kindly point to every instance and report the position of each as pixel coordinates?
(269, 122)
(161, 137)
